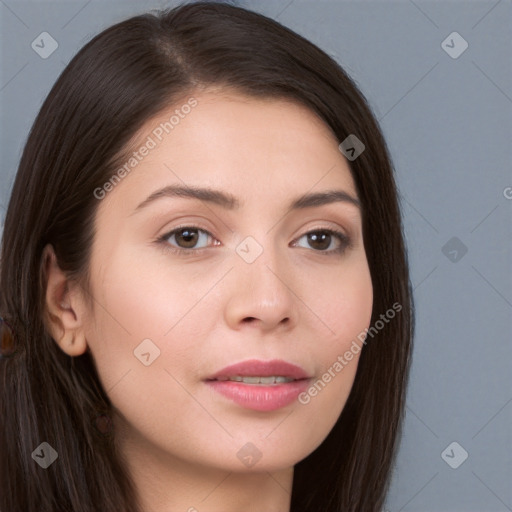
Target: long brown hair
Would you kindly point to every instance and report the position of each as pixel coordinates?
(115, 83)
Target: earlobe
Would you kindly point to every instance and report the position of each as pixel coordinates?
(63, 317)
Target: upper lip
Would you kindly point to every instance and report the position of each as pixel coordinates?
(257, 368)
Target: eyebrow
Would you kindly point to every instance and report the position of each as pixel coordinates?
(230, 202)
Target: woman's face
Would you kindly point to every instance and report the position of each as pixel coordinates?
(241, 281)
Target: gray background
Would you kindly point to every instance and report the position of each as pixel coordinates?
(448, 124)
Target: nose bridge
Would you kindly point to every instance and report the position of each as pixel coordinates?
(261, 289)
(263, 262)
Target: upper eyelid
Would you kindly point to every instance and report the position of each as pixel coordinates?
(337, 231)
(347, 221)
(172, 231)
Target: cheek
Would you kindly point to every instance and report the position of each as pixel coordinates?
(345, 308)
(344, 303)
(148, 299)
(150, 308)
(144, 341)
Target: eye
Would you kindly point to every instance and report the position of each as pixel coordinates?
(186, 238)
(322, 239)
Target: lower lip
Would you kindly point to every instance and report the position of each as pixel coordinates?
(258, 397)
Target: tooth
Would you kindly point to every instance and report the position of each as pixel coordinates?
(251, 380)
(264, 381)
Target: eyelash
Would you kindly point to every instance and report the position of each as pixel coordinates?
(345, 241)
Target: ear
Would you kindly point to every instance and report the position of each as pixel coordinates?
(64, 313)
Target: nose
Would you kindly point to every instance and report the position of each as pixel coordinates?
(262, 294)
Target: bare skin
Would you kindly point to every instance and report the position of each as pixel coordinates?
(299, 301)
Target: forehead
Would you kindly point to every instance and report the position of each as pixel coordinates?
(232, 141)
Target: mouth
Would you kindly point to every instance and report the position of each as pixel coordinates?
(259, 381)
(277, 370)
(260, 385)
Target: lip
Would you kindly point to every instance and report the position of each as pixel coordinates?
(260, 397)
(255, 367)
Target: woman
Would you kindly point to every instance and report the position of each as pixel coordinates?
(204, 281)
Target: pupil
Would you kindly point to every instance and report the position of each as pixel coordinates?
(323, 238)
(191, 239)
